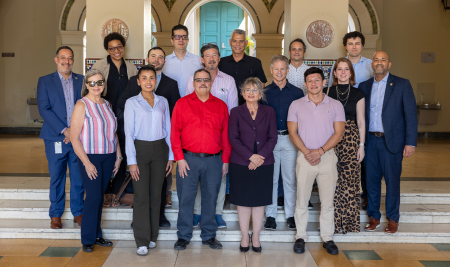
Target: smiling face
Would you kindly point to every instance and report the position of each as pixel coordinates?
(211, 59)
(342, 73)
(314, 83)
(115, 49)
(354, 47)
(297, 52)
(147, 81)
(181, 43)
(279, 70)
(202, 83)
(64, 61)
(251, 93)
(381, 63)
(238, 43)
(96, 90)
(156, 58)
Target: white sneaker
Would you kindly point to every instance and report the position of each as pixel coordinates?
(142, 251)
(152, 245)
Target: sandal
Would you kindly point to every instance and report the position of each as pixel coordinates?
(114, 201)
(107, 201)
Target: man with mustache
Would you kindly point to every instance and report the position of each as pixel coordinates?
(200, 144)
(166, 87)
(57, 94)
(224, 88)
(391, 136)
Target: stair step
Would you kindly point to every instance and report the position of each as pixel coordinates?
(121, 230)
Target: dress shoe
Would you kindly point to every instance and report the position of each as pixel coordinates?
(372, 225)
(270, 224)
(88, 248)
(255, 249)
(103, 242)
(56, 223)
(280, 202)
(227, 199)
(331, 247)
(243, 249)
(212, 243)
(365, 203)
(163, 222)
(310, 205)
(181, 244)
(299, 246)
(391, 227)
(168, 200)
(78, 219)
(291, 223)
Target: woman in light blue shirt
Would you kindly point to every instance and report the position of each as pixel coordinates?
(149, 156)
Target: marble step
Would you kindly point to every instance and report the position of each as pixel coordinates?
(121, 230)
(38, 209)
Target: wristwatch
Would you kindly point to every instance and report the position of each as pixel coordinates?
(119, 158)
(361, 144)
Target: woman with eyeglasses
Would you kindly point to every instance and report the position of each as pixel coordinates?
(117, 72)
(94, 140)
(252, 130)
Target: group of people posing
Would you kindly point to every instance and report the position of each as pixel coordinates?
(228, 132)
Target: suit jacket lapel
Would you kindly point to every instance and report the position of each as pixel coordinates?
(389, 88)
(368, 97)
(261, 114)
(162, 82)
(77, 84)
(245, 113)
(59, 88)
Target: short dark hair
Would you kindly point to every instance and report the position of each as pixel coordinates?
(63, 47)
(314, 70)
(207, 47)
(201, 70)
(300, 41)
(180, 27)
(113, 36)
(156, 48)
(353, 35)
(145, 68)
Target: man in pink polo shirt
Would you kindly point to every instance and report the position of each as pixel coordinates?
(316, 124)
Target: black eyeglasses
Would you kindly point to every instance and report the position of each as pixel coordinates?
(99, 83)
(209, 44)
(180, 37)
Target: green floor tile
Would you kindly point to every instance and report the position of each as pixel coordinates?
(441, 247)
(435, 263)
(60, 252)
(361, 255)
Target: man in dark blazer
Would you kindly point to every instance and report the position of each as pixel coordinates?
(165, 87)
(391, 131)
(57, 94)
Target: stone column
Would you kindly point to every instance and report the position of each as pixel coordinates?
(75, 40)
(266, 46)
(163, 41)
(300, 14)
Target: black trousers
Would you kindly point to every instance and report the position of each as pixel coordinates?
(116, 183)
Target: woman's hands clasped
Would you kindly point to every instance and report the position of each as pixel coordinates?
(255, 161)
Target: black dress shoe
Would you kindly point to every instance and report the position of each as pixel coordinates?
(299, 246)
(180, 244)
(270, 224)
(331, 247)
(103, 242)
(88, 248)
(163, 222)
(280, 201)
(243, 249)
(310, 205)
(212, 243)
(257, 249)
(291, 223)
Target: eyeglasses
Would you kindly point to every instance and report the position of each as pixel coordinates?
(250, 91)
(99, 83)
(113, 49)
(182, 37)
(199, 80)
(209, 44)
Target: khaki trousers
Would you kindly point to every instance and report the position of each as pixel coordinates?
(220, 198)
(327, 175)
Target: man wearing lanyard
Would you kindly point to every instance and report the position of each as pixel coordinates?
(180, 65)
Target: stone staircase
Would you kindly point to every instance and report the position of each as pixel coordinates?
(424, 218)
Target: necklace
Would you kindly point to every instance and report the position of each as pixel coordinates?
(345, 98)
(253, 111)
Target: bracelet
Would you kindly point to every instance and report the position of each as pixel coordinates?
(323, 150)
(119, 158)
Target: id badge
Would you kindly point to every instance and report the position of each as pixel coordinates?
(58, 147)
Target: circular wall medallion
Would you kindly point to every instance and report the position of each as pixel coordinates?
(320, 33)
(115, 25)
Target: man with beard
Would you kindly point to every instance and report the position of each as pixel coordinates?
(391, 136)
(166, 87)
(57, 94)
(224, 88)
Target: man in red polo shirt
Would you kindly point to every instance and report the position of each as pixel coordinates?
(200, 144)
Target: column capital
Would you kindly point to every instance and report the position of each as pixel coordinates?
(72, 37)
(163, 41)
(268, 40)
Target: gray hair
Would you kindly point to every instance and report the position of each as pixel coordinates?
(238, 31)
(89, 74)
(255, 82)
(279, 58)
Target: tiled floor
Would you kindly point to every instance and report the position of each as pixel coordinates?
(42, 252)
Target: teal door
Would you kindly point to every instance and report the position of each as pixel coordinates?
(217, 22)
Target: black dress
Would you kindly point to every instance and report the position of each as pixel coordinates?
(251, 188)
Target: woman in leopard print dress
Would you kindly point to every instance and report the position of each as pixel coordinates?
(350, 151)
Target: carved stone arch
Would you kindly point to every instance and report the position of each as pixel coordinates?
(365, 16)
(73, 15)
(156, 16)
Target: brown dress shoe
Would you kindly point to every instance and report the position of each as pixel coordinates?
(365, 203)
(372, 225)
(392, 227)
(168, 200)
(56, 223)
(78, 219)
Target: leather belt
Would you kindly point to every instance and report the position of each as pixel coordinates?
(283, 132)
(201, 155)
(377, 134)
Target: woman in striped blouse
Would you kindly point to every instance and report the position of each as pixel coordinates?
(94, 140)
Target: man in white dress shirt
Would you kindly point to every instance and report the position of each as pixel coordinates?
(297, 67)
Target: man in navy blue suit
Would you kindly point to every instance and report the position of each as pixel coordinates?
(57, 94)
(391, 136)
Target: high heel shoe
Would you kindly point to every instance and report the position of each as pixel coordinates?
(255, 249)
(245, 249)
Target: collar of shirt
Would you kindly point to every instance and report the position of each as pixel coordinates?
(173, 55)
(361, 60)
(109, 60)
(384, 80)
(244, 59)
(273, 85)
(325, 100)
(64, 79)
(140, 98)
(194, 96)
(301, 66)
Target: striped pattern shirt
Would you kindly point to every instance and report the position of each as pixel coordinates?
(98, 135)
